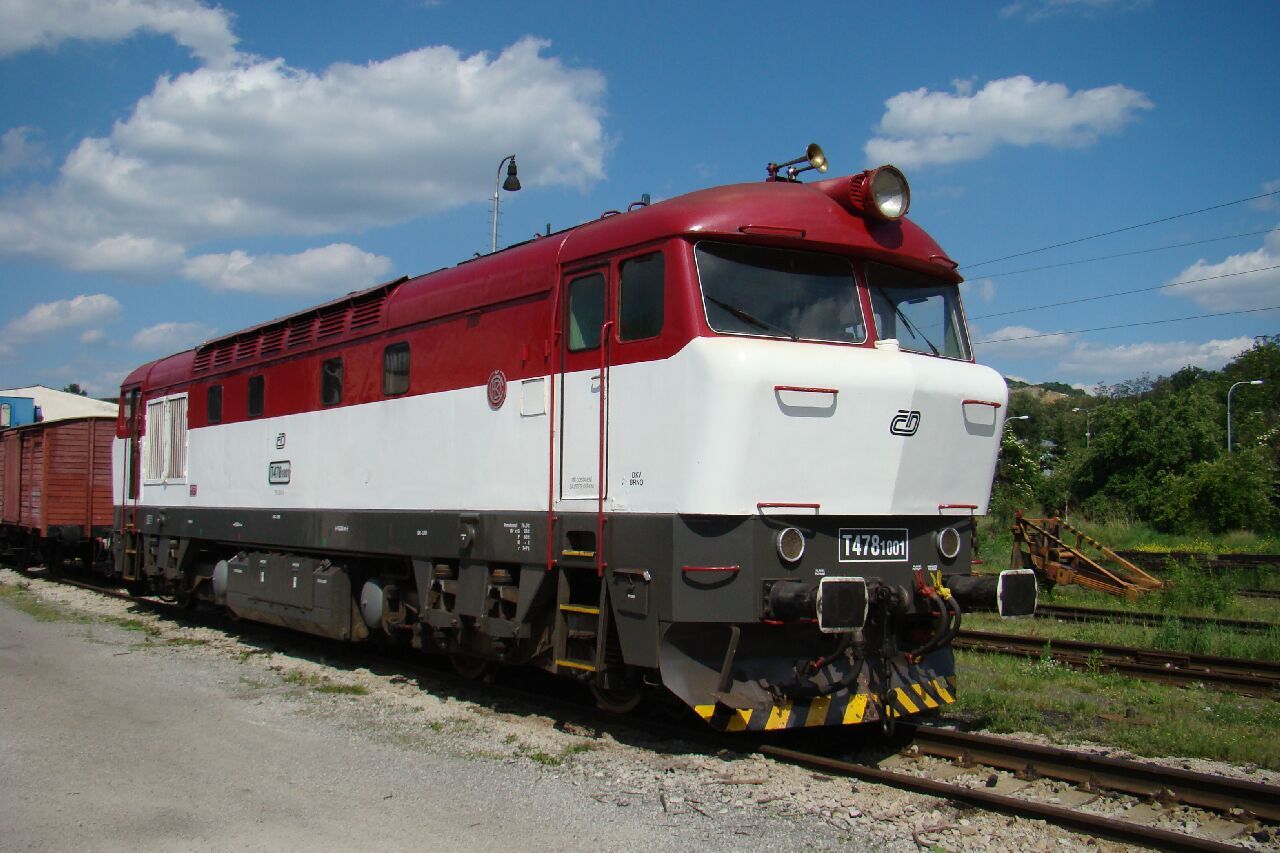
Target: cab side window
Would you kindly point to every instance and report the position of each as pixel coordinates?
(585, 312)
(640, 297)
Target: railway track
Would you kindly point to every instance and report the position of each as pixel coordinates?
(966, 754)
(1155, 560)
(1254, 678)
(1255, 592)
(1069, 613)
(1243, 804)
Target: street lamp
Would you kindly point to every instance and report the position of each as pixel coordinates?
(1016, 418)
(511, 184)
(1087, 413)
(1229, 390)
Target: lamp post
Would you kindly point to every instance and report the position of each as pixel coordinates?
(1087, 431)
(511, 184)
(1016, 418)
(1229, 392)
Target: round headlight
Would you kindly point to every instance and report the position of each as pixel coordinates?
(949, 543)
(790, 544)
(889, 193)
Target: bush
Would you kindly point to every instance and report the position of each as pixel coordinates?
(1190, 586)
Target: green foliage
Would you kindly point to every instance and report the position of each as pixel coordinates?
(1189, 586)
(1017, 478)
(1156, 450)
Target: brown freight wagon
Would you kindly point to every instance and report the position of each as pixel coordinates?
(56, 494)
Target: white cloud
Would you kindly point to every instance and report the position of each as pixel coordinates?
(333, 269)
(1017, 341)
(1158, 359)
(32, 24)
(1269, 202)
(19, 151)
(923, 127)
(1240, 289)
(1035, 10)
(264, 149)
(93, 336)
(83, 310)
(172, 337)
(981, 289)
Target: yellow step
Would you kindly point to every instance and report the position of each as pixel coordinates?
(580, 608)
(576, 664)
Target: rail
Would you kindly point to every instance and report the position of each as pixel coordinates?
(1236, 675)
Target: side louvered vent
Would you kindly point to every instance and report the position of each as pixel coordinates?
(301, 331)
(204, 358)
(247, 349)
(368, 313)
(223, 355)
(273, 340)
(332, 323)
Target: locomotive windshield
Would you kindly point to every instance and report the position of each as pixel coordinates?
(921, 312)
(753, 290)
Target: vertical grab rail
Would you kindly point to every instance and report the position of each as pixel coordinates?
(605, 329)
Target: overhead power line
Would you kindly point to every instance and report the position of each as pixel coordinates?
(1120, 230)
(1121, 293)
(1129, 254)
(1125, 326)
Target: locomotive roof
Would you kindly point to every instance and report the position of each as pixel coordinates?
(781, 212)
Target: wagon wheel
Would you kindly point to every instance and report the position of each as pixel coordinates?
(469, 667)
(618, 700)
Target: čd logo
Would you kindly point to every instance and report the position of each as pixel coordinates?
(905, 423)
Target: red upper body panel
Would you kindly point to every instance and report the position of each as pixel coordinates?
(495, 312)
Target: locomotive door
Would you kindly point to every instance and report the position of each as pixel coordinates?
(584, 387)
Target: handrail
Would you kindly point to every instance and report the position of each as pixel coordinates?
(803, 390)
(763, 505)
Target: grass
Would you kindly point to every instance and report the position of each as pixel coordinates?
(322, 684)
(1173, 636)
(1005, 694)
(21, 597)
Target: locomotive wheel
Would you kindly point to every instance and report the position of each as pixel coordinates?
(470, 668)
(620, 701)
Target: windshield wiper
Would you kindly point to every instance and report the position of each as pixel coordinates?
(755, 321)
(911, 327)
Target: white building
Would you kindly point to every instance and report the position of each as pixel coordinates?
(59, 405)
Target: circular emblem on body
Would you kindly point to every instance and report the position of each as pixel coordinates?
(497, 389)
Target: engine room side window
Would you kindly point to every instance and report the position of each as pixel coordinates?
(585, 312)
(214, 404)
(922, 313)
(640, 297)
(166, 439)
(257, 395)
(779, 293)
(331, 382)
(395, 369)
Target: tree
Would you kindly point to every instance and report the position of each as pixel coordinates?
(74, 388)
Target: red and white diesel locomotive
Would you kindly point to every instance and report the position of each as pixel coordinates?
(730, 444)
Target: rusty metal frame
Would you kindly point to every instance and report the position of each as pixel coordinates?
(1038, 544)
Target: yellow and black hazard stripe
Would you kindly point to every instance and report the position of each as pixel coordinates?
(833, 710)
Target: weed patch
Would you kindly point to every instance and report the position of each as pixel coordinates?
(1010, 695)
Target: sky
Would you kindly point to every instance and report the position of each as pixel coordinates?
(174, 170)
